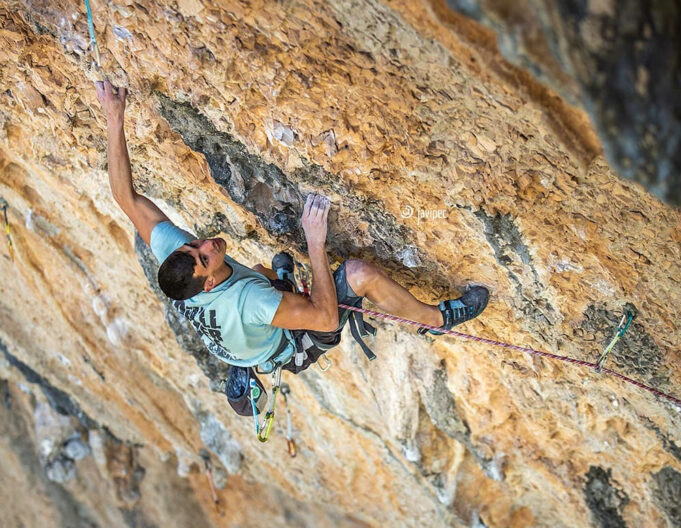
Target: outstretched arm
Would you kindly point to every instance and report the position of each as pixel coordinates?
(142, 211)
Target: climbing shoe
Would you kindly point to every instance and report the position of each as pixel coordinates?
(457, 311)
(282, 263)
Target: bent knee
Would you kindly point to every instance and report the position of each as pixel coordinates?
(359, 268)
(359, 274)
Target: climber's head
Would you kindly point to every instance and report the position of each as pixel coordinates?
(195, 267)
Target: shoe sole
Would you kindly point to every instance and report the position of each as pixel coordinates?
(477, 296)
(282, 261)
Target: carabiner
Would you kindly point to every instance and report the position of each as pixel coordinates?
(269, 417)
(291, 447)
(4, 205)
(630, 316)
(291, 444)
(266, 426)
(621, 330)
(328, 363)
(304, 274)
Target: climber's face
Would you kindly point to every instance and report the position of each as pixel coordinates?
(209, 255)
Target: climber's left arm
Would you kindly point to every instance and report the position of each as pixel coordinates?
(142, 211)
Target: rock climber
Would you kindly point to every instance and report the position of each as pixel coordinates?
(240, 316)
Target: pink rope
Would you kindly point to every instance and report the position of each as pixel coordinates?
(514, 347)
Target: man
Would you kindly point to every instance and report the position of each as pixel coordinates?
(240, 316)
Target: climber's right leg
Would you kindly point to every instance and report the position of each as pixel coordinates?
(369, 280)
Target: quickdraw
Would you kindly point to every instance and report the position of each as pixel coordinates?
(304, 275)
(209, 471)
(621, 330)
(4, 205)
(291, 444)
(91, 29)
(263, 431)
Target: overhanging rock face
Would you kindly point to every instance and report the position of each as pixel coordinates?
(445, 164)
(621, 61)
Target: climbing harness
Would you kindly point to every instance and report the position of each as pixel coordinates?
(291, 444)
(359, 328)
(515, 347)
(263, 431)
(93, 39)
(209, 471)
(621, 330)
(302, 344)
(4, 205)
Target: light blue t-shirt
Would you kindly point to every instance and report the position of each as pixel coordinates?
(233, 319)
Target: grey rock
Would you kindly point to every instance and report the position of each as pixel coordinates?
(668, 494)
(61, 469)
(605, 500)
(76, 449)
(216, 438)
(409, 256)
(122, 33)
(220, 477)
(620, 60)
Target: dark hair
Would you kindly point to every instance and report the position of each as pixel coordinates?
(176, 276)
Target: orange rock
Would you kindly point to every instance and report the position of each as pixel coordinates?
(380, 105)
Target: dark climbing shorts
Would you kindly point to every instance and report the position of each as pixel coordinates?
(325, 341)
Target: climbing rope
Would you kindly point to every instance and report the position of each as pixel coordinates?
(595, 366)
(91, 29)
(4, 205)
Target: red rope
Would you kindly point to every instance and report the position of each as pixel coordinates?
(515, 347)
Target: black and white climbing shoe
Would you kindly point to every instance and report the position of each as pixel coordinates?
(283, 265)
(457, 311)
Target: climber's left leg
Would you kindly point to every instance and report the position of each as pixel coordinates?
(267, 272)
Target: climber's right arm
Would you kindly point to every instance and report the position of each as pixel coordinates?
(142, 211)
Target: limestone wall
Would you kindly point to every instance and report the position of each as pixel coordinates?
(445, 164)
